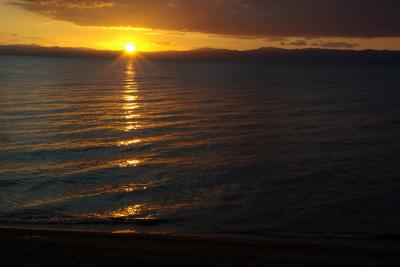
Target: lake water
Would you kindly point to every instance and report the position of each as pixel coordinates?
(200, 147)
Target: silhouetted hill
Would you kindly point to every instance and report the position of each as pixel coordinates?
(261, 55)
(35, 50)
(277, 55)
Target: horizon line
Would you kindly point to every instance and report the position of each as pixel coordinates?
(197, 49)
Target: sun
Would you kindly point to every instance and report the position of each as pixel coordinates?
(130, 48)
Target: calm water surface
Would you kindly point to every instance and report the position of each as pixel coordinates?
(200, 147)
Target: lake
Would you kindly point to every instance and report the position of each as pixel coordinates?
(200, 147)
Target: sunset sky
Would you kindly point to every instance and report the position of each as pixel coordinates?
(155, 25)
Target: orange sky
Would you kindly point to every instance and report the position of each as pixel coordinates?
(20, 25)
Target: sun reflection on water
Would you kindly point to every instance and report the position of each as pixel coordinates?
(129, 111)
(129, 142)
(130, 98)
(135, 211)
(129, 163)
(130, 115)
(132, 126)
(128, 211)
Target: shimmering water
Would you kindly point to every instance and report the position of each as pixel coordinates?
(205, 147)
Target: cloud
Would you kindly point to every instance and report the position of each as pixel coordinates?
(298, 43)
(15, 38)
(262, 18)
(69, 4)
(336, 45)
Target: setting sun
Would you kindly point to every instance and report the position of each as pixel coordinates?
(130, 48)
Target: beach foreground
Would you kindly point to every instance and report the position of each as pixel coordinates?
(61, 248)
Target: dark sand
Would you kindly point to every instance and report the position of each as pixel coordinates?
(62, 248)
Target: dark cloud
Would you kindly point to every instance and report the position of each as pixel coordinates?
(276, 39)
(263, 18)
(336, 44)
(298, 43)
(70, 3)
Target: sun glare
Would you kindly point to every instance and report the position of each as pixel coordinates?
(130, 48)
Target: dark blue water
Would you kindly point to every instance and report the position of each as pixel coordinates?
(202, 147)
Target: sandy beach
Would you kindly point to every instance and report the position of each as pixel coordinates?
(61, 248)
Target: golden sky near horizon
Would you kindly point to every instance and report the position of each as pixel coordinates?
(32, 22)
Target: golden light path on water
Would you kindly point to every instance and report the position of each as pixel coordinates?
(130, 106)
(130, 114)
(130, 96)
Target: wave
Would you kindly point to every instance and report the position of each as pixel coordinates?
(31, 217)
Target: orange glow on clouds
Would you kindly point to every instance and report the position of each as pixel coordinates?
(19, 26)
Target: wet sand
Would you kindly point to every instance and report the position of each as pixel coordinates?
(62, 248)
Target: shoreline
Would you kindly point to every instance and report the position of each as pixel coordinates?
(29, 247)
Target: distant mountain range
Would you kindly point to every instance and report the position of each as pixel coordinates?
(35, 50)
(261, 55)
